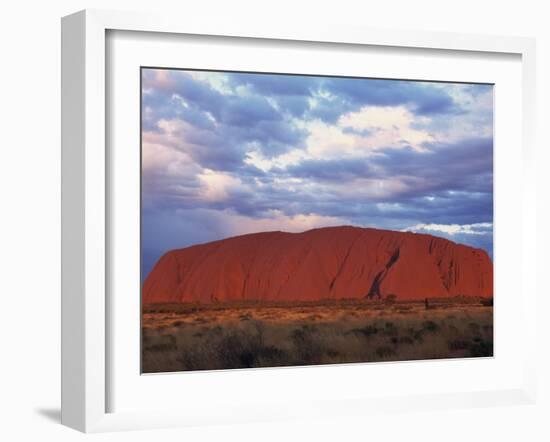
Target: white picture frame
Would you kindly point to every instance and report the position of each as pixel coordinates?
(86, 206)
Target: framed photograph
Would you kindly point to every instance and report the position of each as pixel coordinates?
(265, 222)
(267, 200)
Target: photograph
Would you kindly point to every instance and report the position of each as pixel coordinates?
(292, 219)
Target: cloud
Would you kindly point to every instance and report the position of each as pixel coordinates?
(386, 126)
(276, 85)
(423, 98)
(454, 229)
(294, 105)
(463, 166)
(227, 154)
(329, 141)
(479, 235)
(277, 220)
(327, 98)
(420, 97)
(441, 171)
(232, 119)
(290, 93)
(475, 120)
(338, 170)
(216, 186)
(248, 111)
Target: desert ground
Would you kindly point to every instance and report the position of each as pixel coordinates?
(182, 337)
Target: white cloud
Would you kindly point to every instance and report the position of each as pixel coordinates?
(387, 126)
(217, 186)
(454, 229)
(277, 220)
(172, 134)
(326, 141)
(255, 158)
(382, 126)
(475, 123)
(169, 162)
(213, 79)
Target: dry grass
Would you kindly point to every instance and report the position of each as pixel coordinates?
(242, 336)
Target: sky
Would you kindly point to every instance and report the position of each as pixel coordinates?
(225, 154)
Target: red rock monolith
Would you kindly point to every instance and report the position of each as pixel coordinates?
(326, 263)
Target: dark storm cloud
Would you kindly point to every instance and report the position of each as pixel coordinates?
(247, 112)
(463, 166)
(277, 85)
(423, 98)
(294, 105)
(291, 92)
(232, 120)
(331, 170)
(274, 137)
(466, 165)
(404, 210)
(349, 95)
(335, 96)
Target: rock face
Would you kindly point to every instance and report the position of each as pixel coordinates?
(327, 263)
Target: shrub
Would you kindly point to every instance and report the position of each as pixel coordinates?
(458, 344)
(430, 326)
(307, 349)
(332, 353)
(481, 349)
(156, 348)
(390, 329)
(368, 330)
(384, 352)
(487, 302)
(474, 327)
(418, 335)
(270, 354)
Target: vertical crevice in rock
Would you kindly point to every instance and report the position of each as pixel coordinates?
(375, 286)
(342, 265)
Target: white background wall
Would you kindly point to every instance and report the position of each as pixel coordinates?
(30, 220)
